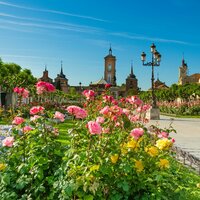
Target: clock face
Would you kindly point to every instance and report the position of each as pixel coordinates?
(109, 67)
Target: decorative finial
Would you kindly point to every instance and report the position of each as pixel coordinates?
(45, 68)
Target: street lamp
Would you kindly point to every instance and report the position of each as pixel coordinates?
(155, 61)
(80, 85)
(80, 90)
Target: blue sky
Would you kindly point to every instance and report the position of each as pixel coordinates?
(35, 33)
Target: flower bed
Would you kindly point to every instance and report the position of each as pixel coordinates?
(107, 153)
(184, 108)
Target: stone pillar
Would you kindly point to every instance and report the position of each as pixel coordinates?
(153, 114)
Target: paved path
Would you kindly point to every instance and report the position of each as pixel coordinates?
(188, 132)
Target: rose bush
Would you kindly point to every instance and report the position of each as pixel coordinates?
(108, 153)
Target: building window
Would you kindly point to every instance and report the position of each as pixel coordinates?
(109, 78)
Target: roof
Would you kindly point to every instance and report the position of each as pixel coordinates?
(100, 82)
(197, 75)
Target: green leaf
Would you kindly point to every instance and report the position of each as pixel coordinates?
(125, 186)
(88, 197)
(5, 179)
(40, 174)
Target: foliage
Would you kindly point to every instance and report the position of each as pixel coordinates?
(12, 75)
(32, 161)
(185, 108)
(185, 92)
(106, 152)
(188, 95)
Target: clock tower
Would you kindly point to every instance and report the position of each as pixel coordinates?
(110, 70)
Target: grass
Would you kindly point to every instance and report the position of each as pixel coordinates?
(3, 121)
(63, 131)
(180, 116)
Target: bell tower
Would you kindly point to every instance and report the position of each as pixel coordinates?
(110, 68)
(183, 73)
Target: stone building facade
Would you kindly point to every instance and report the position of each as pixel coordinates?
(132, 83)
(184, 77)
(110, 68)
(61, 82)
(46, 77)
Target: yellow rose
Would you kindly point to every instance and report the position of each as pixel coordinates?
(124, 151)
(139, 166)
(164, 163)
(2, 166)
(164, 144)
(152, 151)
(132, 144)
(114, 158)
(94, 168)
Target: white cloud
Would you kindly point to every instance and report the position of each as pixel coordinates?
(146, 38)
(51, 11)
(57, 26)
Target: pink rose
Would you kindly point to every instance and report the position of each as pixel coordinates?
(117, 124)
(18, 120)
(77, 112)
(108, 85)
(116, 110)
(60, 116)
(8, 142)
(94, 127)
(89, 94)
(146, 107)
(36, 109)
(56, 131)
(163, 135)
(42, 87)
(134, 118)
(21, 92)
(34, 117)
(108, 98)
(40, 84)
(26, 129)
(50, 87)
(105, 110)
(114, 118)
(125, 111)
(25, 93)
(173, 140)
(135, 100)
(100, 120)
(137, 132)
(81, 114)
(105, 130)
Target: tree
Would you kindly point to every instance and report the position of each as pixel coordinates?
(12, 75)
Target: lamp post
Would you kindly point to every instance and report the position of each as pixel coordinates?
(155, 61)
(80, 90)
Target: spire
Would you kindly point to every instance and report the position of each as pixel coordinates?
(183, 60)
(131, 75)
(61, 71)
(110, 50)
(131, 67)
(45, 68)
